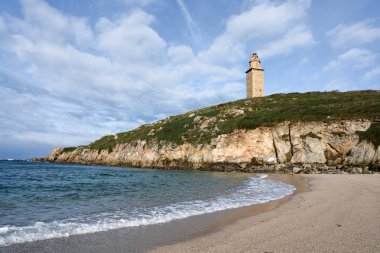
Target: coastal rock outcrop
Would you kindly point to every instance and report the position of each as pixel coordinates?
(363, 154)
(274, 149)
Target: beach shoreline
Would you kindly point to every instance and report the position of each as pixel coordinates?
(340, 213)
(327, 213)
(140, 239)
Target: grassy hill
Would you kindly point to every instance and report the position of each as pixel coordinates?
(200, 126)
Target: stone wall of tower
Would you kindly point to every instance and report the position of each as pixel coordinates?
(249, 85)
(255, 78)
(255, 83)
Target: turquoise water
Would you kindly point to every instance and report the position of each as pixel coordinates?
(41, 200)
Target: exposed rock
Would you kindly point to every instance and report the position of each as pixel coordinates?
(281, 140)
(197, 119)
(376, 158)
(316, 146)
(297, 170)
(234, 113)
(215, 130)
(306, 166)
(243, 145)
(54, 154)
(308, 150)
(207, 122)
(361, 154)
(325, 168)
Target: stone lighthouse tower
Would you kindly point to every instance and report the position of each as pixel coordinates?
(255, 77)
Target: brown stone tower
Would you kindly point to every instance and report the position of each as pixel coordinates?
(255, 78)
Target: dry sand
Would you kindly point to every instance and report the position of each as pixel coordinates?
(341, 213)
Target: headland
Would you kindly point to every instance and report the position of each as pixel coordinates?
(310, 133)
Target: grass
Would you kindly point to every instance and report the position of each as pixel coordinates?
(264, 111)
(107, 142)
(68, 149)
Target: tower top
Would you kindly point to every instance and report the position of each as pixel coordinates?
(254, 61)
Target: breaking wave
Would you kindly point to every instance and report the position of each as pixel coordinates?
(255, 190)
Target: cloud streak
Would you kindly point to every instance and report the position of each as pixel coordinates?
(359, 33)
(191, 25)
(296, 37)
(357, 58)
(371, 74)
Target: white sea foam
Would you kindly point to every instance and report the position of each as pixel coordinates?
(262, 176)
(256, 190)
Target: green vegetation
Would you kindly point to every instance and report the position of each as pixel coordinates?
(68, 149)
(103, 143)
(339, 134)
(200, 126)
(286, 137)
(311, 135)
(372, 134)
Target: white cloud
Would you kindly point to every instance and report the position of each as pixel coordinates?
(265, 20)
(353, 34)
(42, 22)
(294, 38)
(124, 77)
(371, 74)
(191, 25)
(130, 38)
(3, 26)
(139, 2)
(180, 54)
(356, 57)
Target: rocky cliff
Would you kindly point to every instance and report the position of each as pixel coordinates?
(264, 148)
(299, 146)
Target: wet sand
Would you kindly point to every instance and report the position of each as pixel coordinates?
(145, 238)
(341, 213)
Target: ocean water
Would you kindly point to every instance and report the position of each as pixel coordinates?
(40, 200)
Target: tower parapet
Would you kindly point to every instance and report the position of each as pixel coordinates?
(255, 77)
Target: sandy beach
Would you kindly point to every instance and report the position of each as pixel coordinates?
(340, 213)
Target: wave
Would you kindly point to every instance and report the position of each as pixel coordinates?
(255, 190)
(12, 160)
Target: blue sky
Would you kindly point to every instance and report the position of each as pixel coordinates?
(72, 71)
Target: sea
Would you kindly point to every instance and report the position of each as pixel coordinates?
(40, 201)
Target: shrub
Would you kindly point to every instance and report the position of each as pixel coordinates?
(372, 135)
(68, 149)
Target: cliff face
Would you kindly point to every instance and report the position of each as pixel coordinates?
(273, 149)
